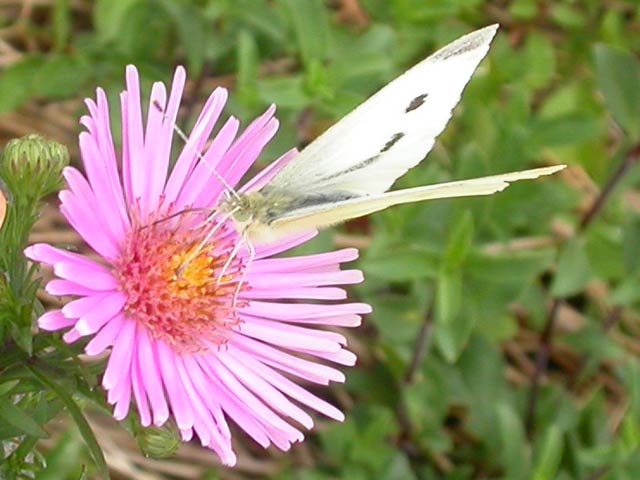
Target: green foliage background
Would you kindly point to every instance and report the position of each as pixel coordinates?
(504, 339)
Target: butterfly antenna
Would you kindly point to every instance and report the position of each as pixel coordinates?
(177, 214)
(183, 136)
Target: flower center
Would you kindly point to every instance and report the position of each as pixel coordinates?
(178, 289)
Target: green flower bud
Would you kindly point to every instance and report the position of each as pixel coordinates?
(158, 442)
(32, 166)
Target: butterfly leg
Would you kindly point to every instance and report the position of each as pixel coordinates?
(232, 256)
(204, 241)
(245, 270)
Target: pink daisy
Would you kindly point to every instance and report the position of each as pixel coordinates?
(180, 346)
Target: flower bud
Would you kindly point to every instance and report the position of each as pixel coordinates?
(158, 442)
(32, 166)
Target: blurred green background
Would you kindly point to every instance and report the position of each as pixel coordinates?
(504, 341)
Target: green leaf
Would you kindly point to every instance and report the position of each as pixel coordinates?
(311, 25)
(109, 17)
(16, 82)
(573, 271)
(605, 251)
(564, 130)
(78, 417)
(631, 244)
(459, 242)
(19, 419)
(262, 18)
(550, 455)
(247, 55)
(618, 76)
(6, 387)
(629, 434)
(568, 16)
(64, 459)
(409, 264)
(453, 325)
(61, 24)
(448, 297)
(514, 449)
(398, 468)
(286, 92)
(541, 60)
(429, 389)
(192, 31)
(61, 76)
(523, 9)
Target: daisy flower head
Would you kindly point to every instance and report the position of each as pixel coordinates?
(196, 329)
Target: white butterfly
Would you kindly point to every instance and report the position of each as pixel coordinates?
(346, 172)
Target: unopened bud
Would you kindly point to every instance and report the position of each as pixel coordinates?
(32, 166)
(158, 442)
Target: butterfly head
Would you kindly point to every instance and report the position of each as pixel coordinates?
(253, 213)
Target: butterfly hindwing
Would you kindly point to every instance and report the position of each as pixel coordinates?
(335, 211)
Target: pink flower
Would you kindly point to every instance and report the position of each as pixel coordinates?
(180, 345)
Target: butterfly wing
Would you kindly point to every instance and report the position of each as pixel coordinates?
(331, 212)
(365, 152)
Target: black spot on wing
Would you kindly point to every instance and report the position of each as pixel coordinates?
(365, 163)
(396, 137)
(416, 102)
(353, 168)
(460, 46)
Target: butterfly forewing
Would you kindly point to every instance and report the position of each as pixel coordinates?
(392, 131)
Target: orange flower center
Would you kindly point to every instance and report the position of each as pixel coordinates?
(177, 289)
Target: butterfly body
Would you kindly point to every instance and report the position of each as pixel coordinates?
(258, 214)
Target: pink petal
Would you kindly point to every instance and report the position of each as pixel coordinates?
(188, 159)
(283, 245)
(71, 336)
(106, 336)
(287, 386)
(288, 336)
(134, 171)
(271, 396)
(102, 185)
(67, 287)
(265, 176)
(311, 293)
(119, 364)
(314, 372)
(84, 220)
(202, 183)
(77, 308)
(155, 160)
(147, 361)
(305, 263)
(301, 311)
(249, 401)
(179, 404)
(55, 320)
(96, 277)
(107, 308)
(138, 390)
(272, 280)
